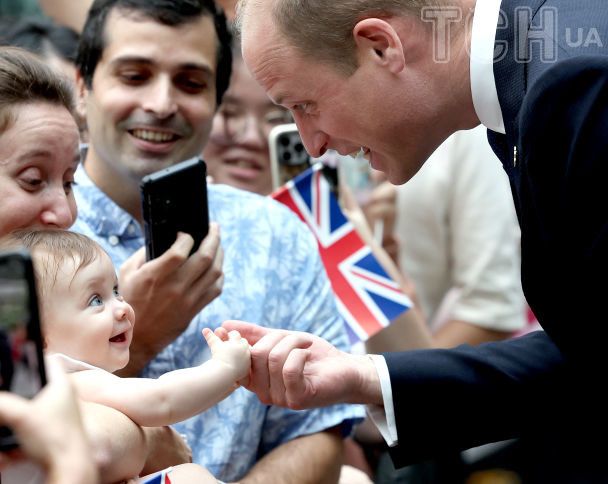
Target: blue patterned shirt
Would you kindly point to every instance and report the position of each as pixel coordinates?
(273, 276)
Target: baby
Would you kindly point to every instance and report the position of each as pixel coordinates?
(88, 325)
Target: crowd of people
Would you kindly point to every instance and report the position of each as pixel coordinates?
(232, 363)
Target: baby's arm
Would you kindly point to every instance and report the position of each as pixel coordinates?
(176, 395)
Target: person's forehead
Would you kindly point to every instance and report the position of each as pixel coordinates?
(42, 131)
(129, 33)
(97, 270)
(41, 114)
(265, 52)
(258, 30)
(285, 74)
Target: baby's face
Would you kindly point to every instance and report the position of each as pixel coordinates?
(85, 317)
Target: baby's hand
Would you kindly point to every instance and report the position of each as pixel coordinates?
(233, 351)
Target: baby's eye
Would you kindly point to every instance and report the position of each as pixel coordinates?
(95, 301)
(116, 293)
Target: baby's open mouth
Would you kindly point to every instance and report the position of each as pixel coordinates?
(119, 338)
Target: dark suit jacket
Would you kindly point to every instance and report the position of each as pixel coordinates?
(545, 385)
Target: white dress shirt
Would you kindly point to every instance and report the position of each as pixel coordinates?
(487, 108)
(483, 85)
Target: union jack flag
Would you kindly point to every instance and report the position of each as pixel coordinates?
(161, 478)
(367, 297)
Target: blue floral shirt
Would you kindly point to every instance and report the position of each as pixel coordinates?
(272, 276)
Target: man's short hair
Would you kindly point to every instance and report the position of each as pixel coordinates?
(167, 12)
(322, 30)
(26, 79)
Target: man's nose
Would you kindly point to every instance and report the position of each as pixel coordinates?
(160, 99)
(59, 210)
(314, 140)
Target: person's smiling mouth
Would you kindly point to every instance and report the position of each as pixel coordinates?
(154, 136)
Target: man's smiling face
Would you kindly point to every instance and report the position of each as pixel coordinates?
(153, 93)
(392, 103)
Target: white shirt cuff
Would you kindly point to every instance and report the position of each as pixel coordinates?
(384, 417)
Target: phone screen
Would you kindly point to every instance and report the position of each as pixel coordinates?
(21, 363)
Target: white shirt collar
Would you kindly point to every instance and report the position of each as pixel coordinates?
(483, 84)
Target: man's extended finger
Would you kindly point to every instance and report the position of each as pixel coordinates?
(211, 243)
(251, 332)
(277, 358)
(293, 378)
(260, 378)
(175, 256)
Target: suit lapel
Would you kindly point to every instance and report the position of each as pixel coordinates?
(510, 77)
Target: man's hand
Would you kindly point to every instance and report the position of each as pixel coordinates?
(233, 352)
(300, 370)
(167, 292)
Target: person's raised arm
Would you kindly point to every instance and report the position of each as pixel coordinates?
(322, 448)
(167, 292)
(177, 395)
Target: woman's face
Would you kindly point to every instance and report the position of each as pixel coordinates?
(237, 151)
(38, 158)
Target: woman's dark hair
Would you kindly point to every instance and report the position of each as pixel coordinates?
(167, 12)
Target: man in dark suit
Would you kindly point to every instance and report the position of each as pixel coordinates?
(396, 78)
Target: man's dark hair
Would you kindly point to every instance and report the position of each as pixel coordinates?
(167, 12)
(42, 36)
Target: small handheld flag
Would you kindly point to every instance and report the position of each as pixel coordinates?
(368, 298)
(160, 478)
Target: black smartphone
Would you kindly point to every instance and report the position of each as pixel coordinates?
(288, 157)
(21, 360)
(175, 200)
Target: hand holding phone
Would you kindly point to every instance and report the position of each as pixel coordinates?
(175, 200)
(21, 365)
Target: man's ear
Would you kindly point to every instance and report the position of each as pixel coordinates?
(377, 40)
(81, 94)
